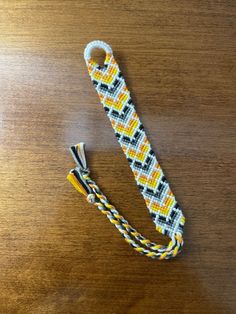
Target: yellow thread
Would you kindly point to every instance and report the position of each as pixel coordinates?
(76, 184)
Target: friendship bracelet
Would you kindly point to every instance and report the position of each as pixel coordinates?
(154, 187)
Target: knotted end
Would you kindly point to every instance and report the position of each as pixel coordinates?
(78, 175)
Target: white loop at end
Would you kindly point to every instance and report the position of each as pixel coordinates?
(95, 44)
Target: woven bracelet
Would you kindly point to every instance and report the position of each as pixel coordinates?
(160, 201)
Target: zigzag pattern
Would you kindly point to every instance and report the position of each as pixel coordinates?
(117, 102)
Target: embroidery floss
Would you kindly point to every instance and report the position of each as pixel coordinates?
(161, 203)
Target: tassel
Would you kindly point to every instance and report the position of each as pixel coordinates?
(76, 175)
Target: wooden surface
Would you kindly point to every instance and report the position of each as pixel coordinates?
(57, 253)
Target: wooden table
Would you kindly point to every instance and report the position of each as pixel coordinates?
(58, 253)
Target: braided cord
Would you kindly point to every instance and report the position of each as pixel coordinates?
(154, 251)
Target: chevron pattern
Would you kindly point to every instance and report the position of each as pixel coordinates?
(115, 97)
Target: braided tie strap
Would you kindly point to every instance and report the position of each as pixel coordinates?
(160, 201)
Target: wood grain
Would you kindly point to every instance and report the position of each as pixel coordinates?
(58, 254)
